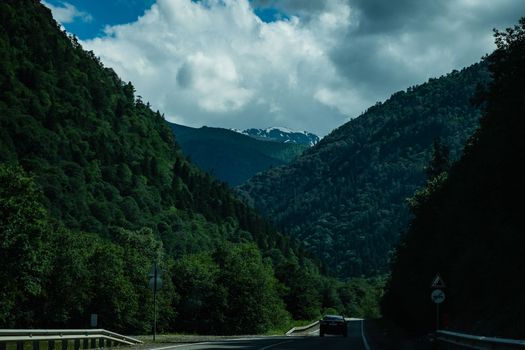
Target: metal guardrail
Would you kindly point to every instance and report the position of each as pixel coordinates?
(80, 338)
(311, 327)
(479, 342)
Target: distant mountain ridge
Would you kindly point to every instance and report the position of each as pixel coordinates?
(231, 156)
(281, 134)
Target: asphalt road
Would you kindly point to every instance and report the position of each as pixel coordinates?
(354, 341)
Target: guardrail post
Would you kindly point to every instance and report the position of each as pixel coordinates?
(36, 339)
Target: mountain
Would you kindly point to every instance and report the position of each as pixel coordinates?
(230, 156)
(283, 135)
(468, 223)
(94, 189)
(345, 198)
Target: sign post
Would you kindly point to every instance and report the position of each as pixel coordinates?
(437, 295)
(94, 320)
(155, 283)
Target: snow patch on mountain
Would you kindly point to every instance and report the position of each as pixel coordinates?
(281, 134)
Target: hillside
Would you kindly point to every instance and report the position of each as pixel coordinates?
(468, 223)
(94, 189)
(230, 156)
(345, 197)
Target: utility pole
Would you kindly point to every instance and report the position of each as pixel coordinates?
(155, 283)
(155, 303)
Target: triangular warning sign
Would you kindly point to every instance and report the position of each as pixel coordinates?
(437, 282)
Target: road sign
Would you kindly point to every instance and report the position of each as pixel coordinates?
(154, 276)
(154, 271)
(438, 296)
(94, 320)
(155, 283)
(152, 283)
(438, 283)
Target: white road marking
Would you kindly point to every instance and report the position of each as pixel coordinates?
(272, 345)
(220, 340)
(365, 342)
(181, 345)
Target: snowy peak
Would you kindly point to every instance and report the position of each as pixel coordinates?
(281, 134)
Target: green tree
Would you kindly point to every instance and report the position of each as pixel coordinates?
(196, 277)
(24, 243)
(252, 295)
(302, 295)
(440, 161)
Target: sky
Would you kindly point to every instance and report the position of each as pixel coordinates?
(302, 64)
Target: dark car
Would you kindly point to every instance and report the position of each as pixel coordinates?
(333, 324)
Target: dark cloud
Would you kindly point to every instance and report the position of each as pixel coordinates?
(396, 44)
(305, 10)
(362, 63)
(292, 7)
(185, 76)
(377, 16)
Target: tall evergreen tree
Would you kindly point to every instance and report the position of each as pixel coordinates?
(440, 161)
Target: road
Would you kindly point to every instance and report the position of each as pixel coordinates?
(354, 341)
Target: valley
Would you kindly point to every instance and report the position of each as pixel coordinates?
(254, 231)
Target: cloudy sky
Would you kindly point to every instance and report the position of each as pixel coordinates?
(302, 64)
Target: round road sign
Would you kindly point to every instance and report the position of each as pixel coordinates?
(152, 283)
(438, 296)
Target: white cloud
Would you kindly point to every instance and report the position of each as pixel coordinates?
(67, 13)
(215, 80)
(214, 62)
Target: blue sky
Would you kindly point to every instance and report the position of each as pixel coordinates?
(306, 65)
(104, 13)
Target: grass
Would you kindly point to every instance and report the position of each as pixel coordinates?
(192, 338)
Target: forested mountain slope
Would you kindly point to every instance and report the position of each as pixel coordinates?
(468, 223)
(230, 156)
(345, 197)
(94, 189)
